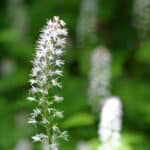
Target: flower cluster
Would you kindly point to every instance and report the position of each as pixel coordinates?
(142, 16)
(86, 27)
(110, 125)
(99, 77)
(46, 81)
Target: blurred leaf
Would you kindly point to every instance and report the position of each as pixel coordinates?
(144, 52)
(17, 80)
(8, 35)
(107, 9)
(94, 143)
(79, 119)
(118, 59)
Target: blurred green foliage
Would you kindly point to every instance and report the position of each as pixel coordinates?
(130, 73)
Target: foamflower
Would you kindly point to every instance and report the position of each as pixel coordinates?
(45, 81)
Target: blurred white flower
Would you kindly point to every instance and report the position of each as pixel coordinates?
(45, 146)
(110, 124)
(83, 145)
(32, 121)
(87, 22)
(99, 77)
(7, 66)
(17, 13)
(23, 144)
(142, 16)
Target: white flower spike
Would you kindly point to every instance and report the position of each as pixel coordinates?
(142, 17)
(99, 77)
(87, 22)
(110, 124)
(45, 80)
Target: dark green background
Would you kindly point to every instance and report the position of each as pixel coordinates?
(130, 73)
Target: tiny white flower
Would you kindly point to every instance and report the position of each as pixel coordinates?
(55, 128)
(44, 121)
(55, 83)
(32, 121)
(56, 18)
(36, 138)
(36, 112)
(54, 146)
(58, 72)
(59, 52)
(64, 32)
(31, 98)
(41, 101)
(32, 81)
(45, 91)
(34, 90)
(58, 98)
(58, 114)
(62, 23)
(59, 63)
(39, 137)
(60, 42)
(64, 135)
